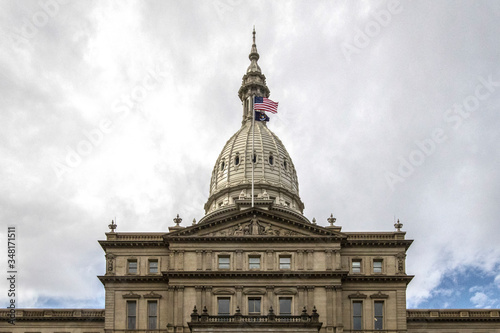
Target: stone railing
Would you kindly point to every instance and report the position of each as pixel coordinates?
(445, 314)
(131, 236)
(239, 318)
(51, 314)
(373, 236)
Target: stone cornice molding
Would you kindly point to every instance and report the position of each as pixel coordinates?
(253, 274)
(131, 278)
(379, 278)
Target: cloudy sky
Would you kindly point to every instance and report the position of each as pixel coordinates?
(119, 109)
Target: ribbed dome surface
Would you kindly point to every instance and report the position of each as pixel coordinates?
(274, 172)
(253, 151)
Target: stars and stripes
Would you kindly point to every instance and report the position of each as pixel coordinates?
(265, 104)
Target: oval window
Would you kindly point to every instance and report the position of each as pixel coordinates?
(271, 159)
(237, 159)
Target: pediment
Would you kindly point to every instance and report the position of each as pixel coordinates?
(255, 223)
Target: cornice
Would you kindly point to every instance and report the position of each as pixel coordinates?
(377, 242)
(131, 243)
(251, 275)
(379, 278)
(131, 278)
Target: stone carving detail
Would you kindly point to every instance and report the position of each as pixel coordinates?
(254, 228)
(110, 263)
(401, 262)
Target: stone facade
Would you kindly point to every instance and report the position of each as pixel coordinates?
(254, 262)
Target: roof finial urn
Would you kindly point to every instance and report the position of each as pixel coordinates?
(112, 226)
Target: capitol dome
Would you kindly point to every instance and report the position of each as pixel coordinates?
(254, 152)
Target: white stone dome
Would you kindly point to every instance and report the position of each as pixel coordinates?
(274, 174)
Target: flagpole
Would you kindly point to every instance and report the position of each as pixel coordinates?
(253, 152)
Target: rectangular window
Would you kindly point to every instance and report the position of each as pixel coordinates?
(285, 262)
(357, 315)
(356, 265)
(254, 305)
(379, 315)
(131, 314)
(254, 262)
(153, 266)
(377, 266)
(132, 266)
(223, 306)
(285, 306)
(224, 262)
(152, 315)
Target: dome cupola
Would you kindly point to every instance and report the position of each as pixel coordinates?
(254, 152)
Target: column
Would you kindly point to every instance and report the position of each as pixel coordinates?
(338, 307)
(239, 260)
(239, 296)
(180, 306)
(329, 260)
(269, 301)
(330, 303)
(208, 299)
(338, 263)
(302, 299)
(300, 259)
(208, 260)
(270, 260)
(180, 260)
(199, 301)
(171, 261)
(310, 297)
(170, 301)
(199, 260)
(310, 259)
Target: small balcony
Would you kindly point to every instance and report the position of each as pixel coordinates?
(271, 322)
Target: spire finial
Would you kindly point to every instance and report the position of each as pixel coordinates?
(253, 34)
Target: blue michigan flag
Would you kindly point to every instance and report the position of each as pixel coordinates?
(261, 116)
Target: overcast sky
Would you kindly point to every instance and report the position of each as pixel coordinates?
(119, 109)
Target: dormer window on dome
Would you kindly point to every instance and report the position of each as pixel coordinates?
(237, 159)
(271, 159)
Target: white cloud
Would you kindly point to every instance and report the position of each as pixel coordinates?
(347, 123)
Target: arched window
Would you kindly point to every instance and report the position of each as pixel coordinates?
(222, 165)
(254, 158)
(285, 166)
(271, 159)
(237, 159)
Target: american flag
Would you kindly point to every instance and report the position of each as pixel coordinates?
(265, 104)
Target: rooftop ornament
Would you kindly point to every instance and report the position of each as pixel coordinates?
(177, 221)
(398, 226)
(112, 226)
(331, 220)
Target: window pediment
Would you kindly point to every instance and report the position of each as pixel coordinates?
(223, 291)
(254, 291)
(285, 291)
(131, 295)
